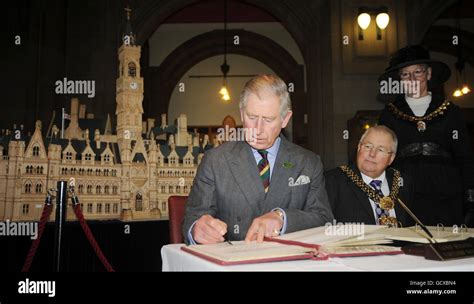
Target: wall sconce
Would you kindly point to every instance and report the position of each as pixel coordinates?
(464, 89)
(364, 18)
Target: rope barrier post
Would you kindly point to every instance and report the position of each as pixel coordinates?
(61, 203)
(48, 206)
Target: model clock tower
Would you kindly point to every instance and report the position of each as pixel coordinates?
(129, 95)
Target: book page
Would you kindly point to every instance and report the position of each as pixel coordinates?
(360, 250)
(339, 235)
(416, 234)
(242, 251)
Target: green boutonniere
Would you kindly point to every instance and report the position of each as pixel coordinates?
(288, 165)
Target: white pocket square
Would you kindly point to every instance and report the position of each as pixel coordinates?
(301, 180)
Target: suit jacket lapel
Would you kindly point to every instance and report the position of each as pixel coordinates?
(279, 180)
(362, 198)
(244, 169)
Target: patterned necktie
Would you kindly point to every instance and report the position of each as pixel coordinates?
(377, 185)
(264, 169)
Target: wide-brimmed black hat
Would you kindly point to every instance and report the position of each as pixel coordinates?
(416, 54)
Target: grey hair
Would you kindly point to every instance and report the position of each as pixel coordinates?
(269, 83)
(386, 130)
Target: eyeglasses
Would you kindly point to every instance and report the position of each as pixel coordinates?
(416, 73)
(368, 148)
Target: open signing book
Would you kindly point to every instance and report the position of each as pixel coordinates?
(350, 240)
(318, 243)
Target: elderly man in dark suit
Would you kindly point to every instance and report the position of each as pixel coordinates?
(357, 192)
(261, 187)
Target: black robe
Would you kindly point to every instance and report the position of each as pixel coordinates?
(440, 181)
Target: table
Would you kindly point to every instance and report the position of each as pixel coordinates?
(175, 259)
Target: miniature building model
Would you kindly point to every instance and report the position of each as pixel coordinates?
(128, 175)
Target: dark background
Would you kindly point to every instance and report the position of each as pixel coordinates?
(137, 251)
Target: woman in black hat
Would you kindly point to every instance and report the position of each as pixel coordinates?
(434, 145)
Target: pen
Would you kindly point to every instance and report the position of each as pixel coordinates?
(226, 239)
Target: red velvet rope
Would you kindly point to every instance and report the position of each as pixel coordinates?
(90, 237)
(34, 246)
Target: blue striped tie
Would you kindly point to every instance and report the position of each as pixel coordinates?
(377, 185)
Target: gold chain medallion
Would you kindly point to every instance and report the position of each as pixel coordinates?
(420, 121)
(385, 202)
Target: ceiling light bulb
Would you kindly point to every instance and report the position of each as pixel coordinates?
(224, 91)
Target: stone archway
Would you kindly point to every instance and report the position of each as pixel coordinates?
(439, 39)
(308, 22)
(421, 15)
(209, 44)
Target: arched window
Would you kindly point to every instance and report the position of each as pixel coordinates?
(132, 69)
(106, 189)
(36, 151)
(68, 155)
(27, 188)
(25, 209)
(98, 189)
(138, 202)
(39, 188)
(80, 189)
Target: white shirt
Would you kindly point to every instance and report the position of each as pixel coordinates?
(419, 105)
(385, 191)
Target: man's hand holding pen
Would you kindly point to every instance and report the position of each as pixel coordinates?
(209, 230)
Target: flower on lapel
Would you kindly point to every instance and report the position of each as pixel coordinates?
(288, 165)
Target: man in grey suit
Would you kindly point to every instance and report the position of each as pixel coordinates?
(261, 187)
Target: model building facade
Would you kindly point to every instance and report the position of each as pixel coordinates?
(127, 174)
